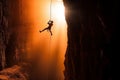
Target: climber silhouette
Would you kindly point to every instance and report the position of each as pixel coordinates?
(50, 23)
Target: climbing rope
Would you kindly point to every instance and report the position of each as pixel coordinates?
(50, 9)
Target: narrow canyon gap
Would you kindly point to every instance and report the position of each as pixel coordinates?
(92, 38)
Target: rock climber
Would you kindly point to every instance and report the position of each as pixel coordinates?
(50, 23)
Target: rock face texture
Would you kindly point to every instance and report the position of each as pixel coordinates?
(4, 31)
(8, 32)
(13, 73)
(12, 44)
(92, 26)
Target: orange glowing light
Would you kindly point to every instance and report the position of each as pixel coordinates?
(41, 44)
(58, 11)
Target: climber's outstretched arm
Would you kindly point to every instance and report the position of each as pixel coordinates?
(43, 29)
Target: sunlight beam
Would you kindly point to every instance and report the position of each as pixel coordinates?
(58, 11)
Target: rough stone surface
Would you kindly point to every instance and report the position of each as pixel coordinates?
(13, 73)
(92, 26)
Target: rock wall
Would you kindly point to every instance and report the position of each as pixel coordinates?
(92, 26)
(12, 43)
(14, 73)
(4, 31)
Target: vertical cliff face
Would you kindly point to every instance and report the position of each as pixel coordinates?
(91, 36)
(8, 31)
(4, 31)
(12, 43)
